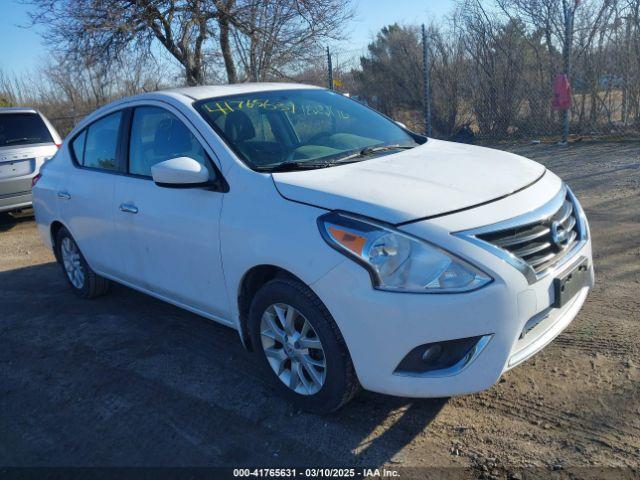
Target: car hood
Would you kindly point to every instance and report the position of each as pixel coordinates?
(430, 180)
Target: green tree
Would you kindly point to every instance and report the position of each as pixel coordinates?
(391, 76)
(391, 73)
(5, 100)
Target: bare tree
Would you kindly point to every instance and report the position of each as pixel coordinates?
(497, 49)
(226, 9)
(102, 30)
(66, 90)
(272, 37)
(263, 36)
(449, 74)
(567, 26)
(629, 15)
(492, 66)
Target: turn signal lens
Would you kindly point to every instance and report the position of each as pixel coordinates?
(35, 179)
(351, 241)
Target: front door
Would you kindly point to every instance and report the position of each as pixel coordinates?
(169, 237)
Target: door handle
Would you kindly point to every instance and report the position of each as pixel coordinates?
(64, 195)
(128, 208)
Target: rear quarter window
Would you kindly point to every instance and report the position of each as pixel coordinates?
(22, 129)
(77, 147)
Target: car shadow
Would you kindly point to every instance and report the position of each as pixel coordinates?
(128, 380)
(10, 220)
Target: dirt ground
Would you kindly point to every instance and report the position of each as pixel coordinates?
(127, 380)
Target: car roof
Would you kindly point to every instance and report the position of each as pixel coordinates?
(212, 91)
(187, 95)
(17, 110)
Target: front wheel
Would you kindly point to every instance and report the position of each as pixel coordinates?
(84, 281)
(301, 347)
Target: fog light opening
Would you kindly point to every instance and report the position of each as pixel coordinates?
(431, 353)
(449, 356)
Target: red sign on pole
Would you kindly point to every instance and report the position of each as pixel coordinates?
(561, 92)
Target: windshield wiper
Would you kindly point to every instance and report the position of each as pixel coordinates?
(15, 140)
(290, 166)
(368, 151)
(382, 148)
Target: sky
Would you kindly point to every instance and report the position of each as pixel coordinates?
(22, 48)
(372, 15)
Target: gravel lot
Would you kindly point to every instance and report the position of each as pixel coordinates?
(128, 380)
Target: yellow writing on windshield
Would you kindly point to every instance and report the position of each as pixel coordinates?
(225, 107)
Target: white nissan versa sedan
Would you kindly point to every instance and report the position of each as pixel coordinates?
(344, 249)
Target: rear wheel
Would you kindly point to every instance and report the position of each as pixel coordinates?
(84, 281)
(301, 347)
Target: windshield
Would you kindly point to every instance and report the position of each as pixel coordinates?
(22, 129)
(304, 128)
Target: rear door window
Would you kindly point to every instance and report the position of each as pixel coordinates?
(101, 144)
(22, 129)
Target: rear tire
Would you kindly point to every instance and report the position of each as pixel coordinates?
(84, 281)
(307, 357)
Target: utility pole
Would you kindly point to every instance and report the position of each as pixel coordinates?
(627, 69)
(427, 92)
(569, 12)
(330, 79)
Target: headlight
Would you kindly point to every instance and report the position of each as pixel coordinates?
(397, 261)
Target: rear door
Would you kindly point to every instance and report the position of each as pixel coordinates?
(169, 237)
(85, 196)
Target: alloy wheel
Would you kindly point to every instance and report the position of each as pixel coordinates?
(72, 262)
(293, 349)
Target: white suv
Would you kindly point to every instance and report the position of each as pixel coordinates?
(344, 249)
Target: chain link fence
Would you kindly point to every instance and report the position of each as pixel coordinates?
(510, 103)
(493, 103)
(526, 124)
(65, 123)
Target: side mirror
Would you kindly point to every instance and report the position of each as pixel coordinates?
(181, 172)
(401, 125)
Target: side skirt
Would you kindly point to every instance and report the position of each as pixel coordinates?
(202, 313)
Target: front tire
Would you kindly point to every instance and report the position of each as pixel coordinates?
(300, 347)
(84, 281)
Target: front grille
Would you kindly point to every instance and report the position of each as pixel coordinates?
(541, 244)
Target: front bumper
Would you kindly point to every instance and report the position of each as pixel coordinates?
(381, 327)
